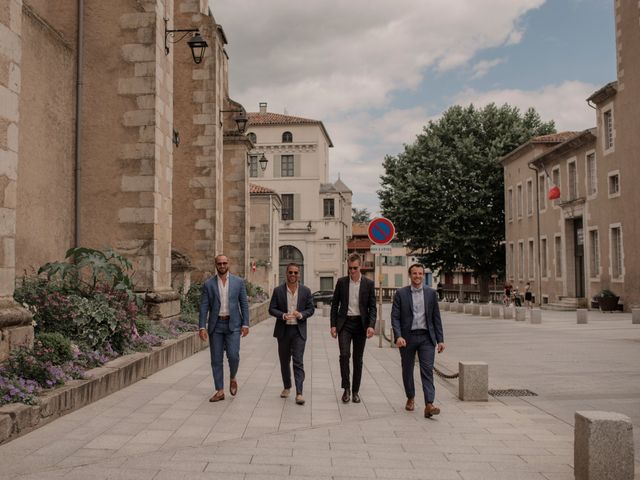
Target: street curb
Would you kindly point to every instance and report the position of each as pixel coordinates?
(16, 419)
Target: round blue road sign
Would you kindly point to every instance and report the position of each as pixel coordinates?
(381, 231)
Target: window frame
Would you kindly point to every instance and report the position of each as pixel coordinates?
(573, 191)
(289, 167)
(286, 208)
(558, 256)
(608, 130)
(530, 197)
(544, 257)
(588, 177)
(610, 175)
(594, 254)
(287, 137)
(332, 202)
(612, 227)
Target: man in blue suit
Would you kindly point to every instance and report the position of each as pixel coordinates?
(417, 328)
(291, 304)
(224, 316)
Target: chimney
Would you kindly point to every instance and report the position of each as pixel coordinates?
(263, 107)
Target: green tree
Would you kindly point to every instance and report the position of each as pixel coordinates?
(360, 215)
(445, 192)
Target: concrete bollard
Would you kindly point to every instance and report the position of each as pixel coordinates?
(444, 306)
(603, 446)
(521, 314)
(468, 307)
(509, 313)
(473, 382)
(496, 311)
(635, 316)
(582, 315)
(319, 304)
(485, 310)
(475, 309)
(460, 307)
(326, 310)
(536, 316)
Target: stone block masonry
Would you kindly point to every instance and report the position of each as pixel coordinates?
(603, 446)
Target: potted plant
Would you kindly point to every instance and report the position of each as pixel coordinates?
(608, 300)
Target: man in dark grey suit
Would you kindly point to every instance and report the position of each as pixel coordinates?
(291, 304)
(417, 328)
(353, 319)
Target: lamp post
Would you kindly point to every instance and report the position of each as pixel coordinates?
(196, 43)
(241, 119)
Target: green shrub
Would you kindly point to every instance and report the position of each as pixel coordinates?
(606, 293)
(53, 347)
(190, 301)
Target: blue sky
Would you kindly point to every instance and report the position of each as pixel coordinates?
(376, 71)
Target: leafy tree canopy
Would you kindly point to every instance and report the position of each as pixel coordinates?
(360, 215)
(444, 192)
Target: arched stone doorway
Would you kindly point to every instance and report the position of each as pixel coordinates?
(288, 254)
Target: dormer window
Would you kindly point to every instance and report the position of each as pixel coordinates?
(287, 137)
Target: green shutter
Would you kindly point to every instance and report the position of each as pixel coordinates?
(276, 166)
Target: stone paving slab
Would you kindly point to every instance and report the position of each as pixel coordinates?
(163, 427)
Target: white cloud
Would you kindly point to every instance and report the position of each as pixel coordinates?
(564, 103)
(322, 58)
(481, 68)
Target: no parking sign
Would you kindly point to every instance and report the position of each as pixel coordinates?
(381, 231)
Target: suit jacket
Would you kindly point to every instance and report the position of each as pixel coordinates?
(278, 307)
(366, 302)
(210, 304)
(402, 314)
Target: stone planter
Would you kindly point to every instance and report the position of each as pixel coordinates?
(608, 304)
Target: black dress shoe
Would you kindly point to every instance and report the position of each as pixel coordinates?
(355, 397)
(346, 396)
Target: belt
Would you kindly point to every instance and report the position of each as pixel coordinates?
(419, 331)
(354, 317)
(224, 318)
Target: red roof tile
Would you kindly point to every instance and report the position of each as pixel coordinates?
(259, 189)
(257, 118)
(555, 137)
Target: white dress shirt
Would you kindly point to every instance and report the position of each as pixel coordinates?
(354, 298)
(223, 290)
(292, 305)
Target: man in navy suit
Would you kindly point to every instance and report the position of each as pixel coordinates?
(353, 319)
(417, 328)
(224, 316)
(291, 304)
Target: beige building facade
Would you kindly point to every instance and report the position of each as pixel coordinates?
(265, 213)
(315, 217)
(573, 247)
(111, 136)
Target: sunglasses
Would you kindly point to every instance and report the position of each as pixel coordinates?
(222, 263)
(293, 273)
(354, 268)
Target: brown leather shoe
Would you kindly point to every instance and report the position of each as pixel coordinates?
(219, 395)
(285, 393)
(411, 405)
(299, 399)
(233, 387)
(430, 410)
(346, 396)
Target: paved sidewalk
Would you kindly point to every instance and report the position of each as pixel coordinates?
(165, 428)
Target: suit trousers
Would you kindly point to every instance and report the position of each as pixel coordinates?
(221, 339)
(352, 331)
(291, 346)
(418, 342)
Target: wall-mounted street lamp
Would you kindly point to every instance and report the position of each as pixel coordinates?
(196, 43)
(241, 119)
(262, 161)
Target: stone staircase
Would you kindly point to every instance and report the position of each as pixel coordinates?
(566, 304)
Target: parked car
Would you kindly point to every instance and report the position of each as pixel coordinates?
(323, 296)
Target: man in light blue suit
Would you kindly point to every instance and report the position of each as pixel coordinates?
(224, 316)
(417, 328)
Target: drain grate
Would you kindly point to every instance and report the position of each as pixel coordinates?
(512, 392)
